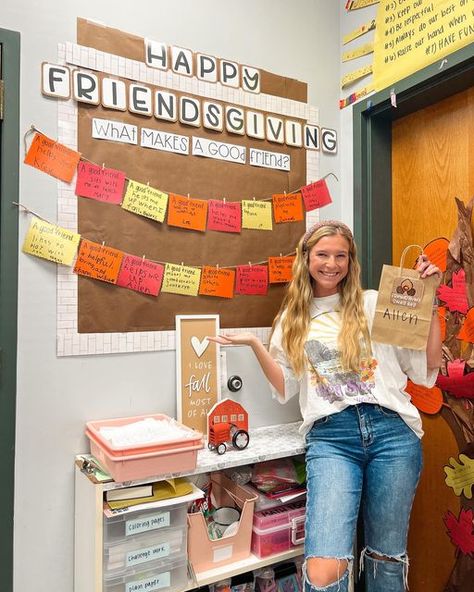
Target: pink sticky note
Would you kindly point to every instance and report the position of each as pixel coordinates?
(455, 296)
(252, 279)
(99, 183)
(316, 195)
(224, 216)
(456, 368)
(140, 275)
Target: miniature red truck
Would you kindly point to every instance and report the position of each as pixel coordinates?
(227, 421)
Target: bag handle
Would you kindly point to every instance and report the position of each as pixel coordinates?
(404, 252)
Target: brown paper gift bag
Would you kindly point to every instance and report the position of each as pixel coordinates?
(404, 308)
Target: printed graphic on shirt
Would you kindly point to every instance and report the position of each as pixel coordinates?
(329, 379)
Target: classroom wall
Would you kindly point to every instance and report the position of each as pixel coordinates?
(56, 396)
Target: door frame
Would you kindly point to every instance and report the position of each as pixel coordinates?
(372, 142)
(9, 191)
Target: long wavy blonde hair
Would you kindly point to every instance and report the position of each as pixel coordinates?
(354, 338)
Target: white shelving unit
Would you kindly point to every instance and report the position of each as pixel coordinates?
(277, 441)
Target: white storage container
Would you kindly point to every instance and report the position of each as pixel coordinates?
(144, 521)
(167, 576)
(144, 550)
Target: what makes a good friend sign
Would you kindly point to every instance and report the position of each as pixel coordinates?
(197, 369)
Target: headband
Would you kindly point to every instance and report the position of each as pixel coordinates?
(336, 224)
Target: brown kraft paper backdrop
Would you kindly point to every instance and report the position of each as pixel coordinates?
(108, 308)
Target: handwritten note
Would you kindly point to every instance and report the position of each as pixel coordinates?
(287, 207)
(187, 213)
(280, 269)
(216, 281)
(181, 279)
(145, 201)
(467, 330)
(51, 242)
(224, 216)
(428, 400)
(140, 275)
(437, 252)
(99, 183)
(252, 280)
(52, 158)
(460, 475)
(98, 261)
(257, 215)
(316, 195)
(455, 296)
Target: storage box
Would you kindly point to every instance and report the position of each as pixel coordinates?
(126, 463)
(170, 576)
(145, 550)
(205, 553)
(278, 529)
(130, 524)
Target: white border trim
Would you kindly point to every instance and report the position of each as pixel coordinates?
(68, 341)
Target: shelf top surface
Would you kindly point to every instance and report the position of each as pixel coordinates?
(266, 443)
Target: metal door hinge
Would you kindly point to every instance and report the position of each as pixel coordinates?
(2, 87)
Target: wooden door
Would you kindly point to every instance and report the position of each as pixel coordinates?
(432, 163)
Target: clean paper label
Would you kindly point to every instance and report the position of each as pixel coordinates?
(154, 583)
(160, 520)
(219, 150)
(115, 131)
(147, 554)
(165, 141)
(270, 160)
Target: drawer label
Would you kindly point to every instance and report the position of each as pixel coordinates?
(147, 554)
(162, 580)
(152, 522)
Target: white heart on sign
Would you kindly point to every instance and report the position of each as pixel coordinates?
(199, 346)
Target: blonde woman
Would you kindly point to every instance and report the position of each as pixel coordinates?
(362, 432)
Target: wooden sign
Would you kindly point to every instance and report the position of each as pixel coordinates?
(197, 369)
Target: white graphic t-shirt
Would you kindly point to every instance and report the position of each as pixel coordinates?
(326, 387)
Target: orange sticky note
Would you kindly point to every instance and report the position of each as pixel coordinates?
(52, 158)
(280, 269)
(98, 262)
(216, 281)
(428, 400)
(437, 252)
(467, 330)
(287, 207)
(187, 213)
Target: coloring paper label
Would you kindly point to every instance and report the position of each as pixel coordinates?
(152, 522)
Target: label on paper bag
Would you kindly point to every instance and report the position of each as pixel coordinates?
(154, 583)
(407, 292)
(147, 554)
(159, 520)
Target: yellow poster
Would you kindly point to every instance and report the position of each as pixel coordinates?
(411, 34)
(51, 242)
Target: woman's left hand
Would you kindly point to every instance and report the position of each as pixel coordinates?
(426, 268)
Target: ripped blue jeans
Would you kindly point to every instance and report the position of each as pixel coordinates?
(367, 455)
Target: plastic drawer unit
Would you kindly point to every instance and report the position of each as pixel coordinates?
(167, 576)
(278, 529)
(132, 524)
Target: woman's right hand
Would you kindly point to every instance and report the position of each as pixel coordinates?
(236, 339)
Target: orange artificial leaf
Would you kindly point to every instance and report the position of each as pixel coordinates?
(428, 400)
(442, 321)
(467, 330)
(437, 252)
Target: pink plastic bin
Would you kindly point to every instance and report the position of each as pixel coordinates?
(139, 462)
(278, 529)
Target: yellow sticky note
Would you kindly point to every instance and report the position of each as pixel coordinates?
(51, 242)
(356, 75)
(257, 214)
(180, 279)
(460, 475)
(145, 201)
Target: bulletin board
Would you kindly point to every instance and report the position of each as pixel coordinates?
(112, 319)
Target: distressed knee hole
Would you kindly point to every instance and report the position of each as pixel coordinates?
(324, 571)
